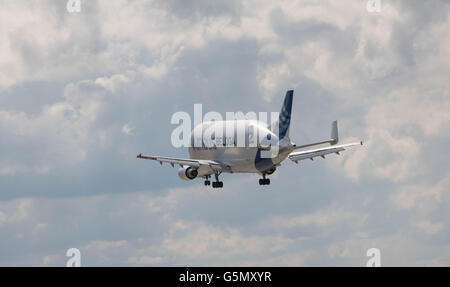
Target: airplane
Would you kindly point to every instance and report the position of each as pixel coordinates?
(226, 156)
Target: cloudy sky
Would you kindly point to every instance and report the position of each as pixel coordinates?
(82, 93)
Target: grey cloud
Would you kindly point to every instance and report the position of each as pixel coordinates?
(69, 176)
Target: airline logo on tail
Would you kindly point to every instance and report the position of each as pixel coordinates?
(285, 115)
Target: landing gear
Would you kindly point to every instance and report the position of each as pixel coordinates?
(264, 180)
(207, 182)
(217, 183)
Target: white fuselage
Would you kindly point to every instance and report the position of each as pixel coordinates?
(242, 145)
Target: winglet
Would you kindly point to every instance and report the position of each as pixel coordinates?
(334, 137)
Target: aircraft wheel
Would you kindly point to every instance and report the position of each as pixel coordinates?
(264, 181)
(217, 184)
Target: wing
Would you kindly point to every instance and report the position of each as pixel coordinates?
(197, 163)
(310, 154)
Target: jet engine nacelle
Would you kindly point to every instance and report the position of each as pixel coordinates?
(187, 173)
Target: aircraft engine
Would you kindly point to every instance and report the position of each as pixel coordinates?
(187, 173)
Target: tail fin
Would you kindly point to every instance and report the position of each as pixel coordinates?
(284, 119)
(334, 137)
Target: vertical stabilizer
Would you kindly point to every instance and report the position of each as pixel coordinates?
(284, 119)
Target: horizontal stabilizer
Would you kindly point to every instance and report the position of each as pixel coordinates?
(310, 154)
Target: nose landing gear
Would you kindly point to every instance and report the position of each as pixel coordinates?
(264, 180)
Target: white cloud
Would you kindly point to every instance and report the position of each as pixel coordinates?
(145, 260)
(426, 205)
(103, 244)
(330, 217)
(126, 129)
(65, 126)
(16, 211)
(384, 74)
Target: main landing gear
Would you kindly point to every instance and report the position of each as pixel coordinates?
(264, 180)
(215, 184)
(207, 182)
